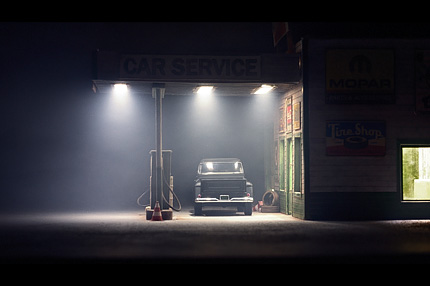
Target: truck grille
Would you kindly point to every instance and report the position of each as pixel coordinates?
(215, 188)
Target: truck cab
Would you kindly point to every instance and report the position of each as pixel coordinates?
(222, 182)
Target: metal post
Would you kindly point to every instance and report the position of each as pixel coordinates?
(158, 94)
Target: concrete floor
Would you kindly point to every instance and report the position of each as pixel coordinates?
(220, 236)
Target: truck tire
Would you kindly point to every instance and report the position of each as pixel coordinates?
(270, 198)
(198, 210)
(248, 209)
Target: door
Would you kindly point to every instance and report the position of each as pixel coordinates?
(281, 165)
(297, 165)
(283, 175)
(289, 175)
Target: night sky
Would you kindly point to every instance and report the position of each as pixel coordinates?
(66, 148)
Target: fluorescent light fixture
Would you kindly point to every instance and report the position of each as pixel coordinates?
(263, 89)
(120, 89)
(204, 89)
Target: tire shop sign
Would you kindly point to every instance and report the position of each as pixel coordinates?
(183, 68)
(355, 138)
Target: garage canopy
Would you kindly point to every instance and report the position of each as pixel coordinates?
(231, 75)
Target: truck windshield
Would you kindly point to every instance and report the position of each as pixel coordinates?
(218, 167)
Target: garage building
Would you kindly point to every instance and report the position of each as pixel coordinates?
(352, 140)
(349, 136)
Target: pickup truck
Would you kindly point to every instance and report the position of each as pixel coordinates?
(222, 182)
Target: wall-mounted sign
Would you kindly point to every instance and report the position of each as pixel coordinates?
(289, 115)
(355, 138)
(180, 67)
(422, 81)
(360, 76)
(282, 119)
(297, 115)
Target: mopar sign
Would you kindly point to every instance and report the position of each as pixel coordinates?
(359, 76)
(189, 67)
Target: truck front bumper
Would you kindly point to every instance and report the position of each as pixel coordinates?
(223, 200)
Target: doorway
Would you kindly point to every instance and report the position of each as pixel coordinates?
(286, 173)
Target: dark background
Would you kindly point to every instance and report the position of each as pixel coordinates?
(65, 148)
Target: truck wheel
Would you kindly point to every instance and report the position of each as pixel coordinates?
(198, 210)
(248, 209)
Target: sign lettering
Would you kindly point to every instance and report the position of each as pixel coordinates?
(359, 76)
(189, 67)
(352, 138)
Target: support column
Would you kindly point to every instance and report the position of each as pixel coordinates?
(158, 93)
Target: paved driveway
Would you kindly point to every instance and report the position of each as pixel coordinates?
(219, 236)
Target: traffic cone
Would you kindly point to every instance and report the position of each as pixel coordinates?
(156, 215)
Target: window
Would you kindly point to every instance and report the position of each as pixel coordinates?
(221, 167)
(415, 173)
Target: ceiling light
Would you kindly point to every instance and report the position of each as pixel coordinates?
(263, 89)
(205, 89)
(120, 88)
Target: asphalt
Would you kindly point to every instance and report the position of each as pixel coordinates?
(221, 236)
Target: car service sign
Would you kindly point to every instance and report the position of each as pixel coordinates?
(180, 67)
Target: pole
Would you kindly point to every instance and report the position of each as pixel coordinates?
(158, 94)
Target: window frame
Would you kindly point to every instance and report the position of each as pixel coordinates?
(410, 143)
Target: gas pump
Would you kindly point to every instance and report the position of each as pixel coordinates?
(165, 197)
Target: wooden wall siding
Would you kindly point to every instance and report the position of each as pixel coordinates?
(297, 205)
(362, 173)
(352, 206)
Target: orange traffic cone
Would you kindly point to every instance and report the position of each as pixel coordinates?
(156, 215)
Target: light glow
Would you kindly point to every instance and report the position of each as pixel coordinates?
(204, 90)
(210, 166)
(263, 89)
(120, 101)
(120, 89)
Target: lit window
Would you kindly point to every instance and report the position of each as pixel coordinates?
(415, 173)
